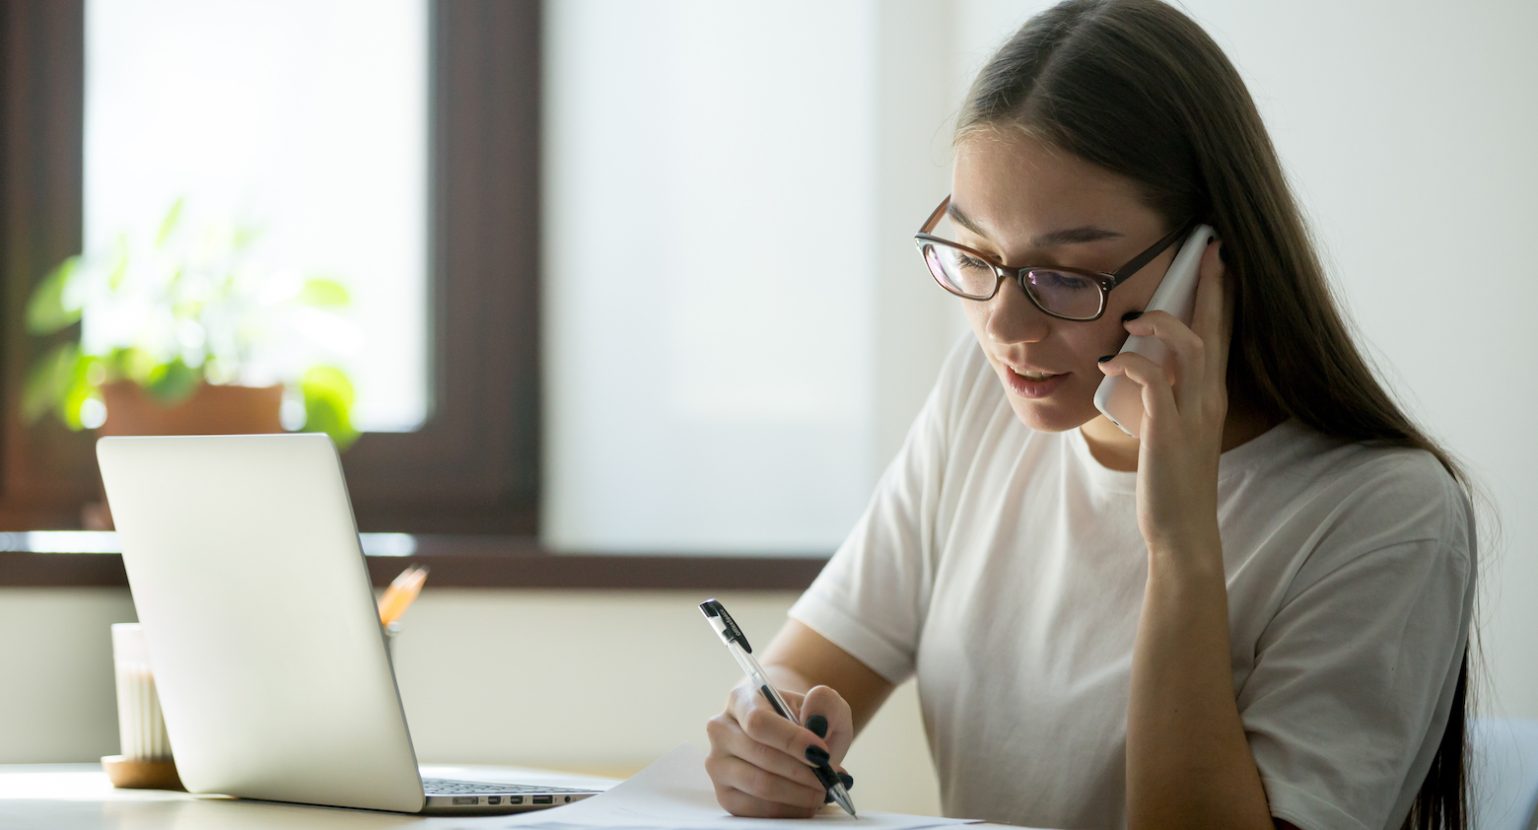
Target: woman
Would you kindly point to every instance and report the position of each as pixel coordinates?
(1257, 614)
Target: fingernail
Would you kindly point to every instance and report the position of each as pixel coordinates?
(847, 779)
(1131, 315)
(1104, 358)
(818, 724)
(817, 755)
(828, 799)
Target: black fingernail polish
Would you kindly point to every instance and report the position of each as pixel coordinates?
(828, 799)
(1104, 358)
(847, 779)
(1131, 315)
(818, 724)
(817, 755)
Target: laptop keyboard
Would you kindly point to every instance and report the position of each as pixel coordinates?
(448, 786)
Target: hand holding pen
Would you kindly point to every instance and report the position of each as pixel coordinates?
(763, 762)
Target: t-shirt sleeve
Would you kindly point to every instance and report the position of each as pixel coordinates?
(871, 597)
(1354, 676)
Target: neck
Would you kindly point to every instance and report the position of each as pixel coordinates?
(1117, 450)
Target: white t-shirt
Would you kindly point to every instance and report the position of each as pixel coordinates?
(1005, 568)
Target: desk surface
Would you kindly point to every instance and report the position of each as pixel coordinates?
(79, 797)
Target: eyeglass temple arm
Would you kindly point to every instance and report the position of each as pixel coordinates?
(1158, 248)
(934, 218)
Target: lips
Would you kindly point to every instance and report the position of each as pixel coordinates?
(1031, 372)
(1026, 388)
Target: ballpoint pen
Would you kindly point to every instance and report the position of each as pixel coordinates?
(737, 644)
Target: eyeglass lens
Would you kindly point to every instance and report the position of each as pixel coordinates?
(1060, 292)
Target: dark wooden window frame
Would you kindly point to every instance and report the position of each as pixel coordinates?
(469, 479)
(477, 562)
(474, 466)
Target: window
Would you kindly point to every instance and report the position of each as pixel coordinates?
(707, 280)
(246, 112)
(739, 332)
(473, 464)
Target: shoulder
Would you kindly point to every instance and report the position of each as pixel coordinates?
(1366, 498)
(1403, 483)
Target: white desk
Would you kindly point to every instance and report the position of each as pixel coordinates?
(79, 797)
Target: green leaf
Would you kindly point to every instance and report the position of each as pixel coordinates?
(328, 400)
(169, 223)
(48, 310)
(244, 236)
(130, 363)
(82, 387)
(48, 384)
(119, 271)
(172, 382)
(324, 292)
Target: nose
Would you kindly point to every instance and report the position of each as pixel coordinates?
(1013, 318)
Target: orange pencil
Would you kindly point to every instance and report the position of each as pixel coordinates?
(402, 592)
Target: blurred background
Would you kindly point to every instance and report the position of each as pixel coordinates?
(602, 278)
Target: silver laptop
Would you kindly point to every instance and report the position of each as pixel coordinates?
(245, 567)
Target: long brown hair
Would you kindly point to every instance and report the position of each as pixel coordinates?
(1138, 88)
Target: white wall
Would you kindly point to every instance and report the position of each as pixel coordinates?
(56, 699)
(532, 678)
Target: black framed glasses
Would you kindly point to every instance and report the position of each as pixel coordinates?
(1067, 293)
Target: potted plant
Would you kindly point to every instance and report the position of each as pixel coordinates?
(185, 333)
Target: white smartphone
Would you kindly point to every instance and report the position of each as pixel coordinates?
(1121, 399)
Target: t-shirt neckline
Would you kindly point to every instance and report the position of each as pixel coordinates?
(1244, 456)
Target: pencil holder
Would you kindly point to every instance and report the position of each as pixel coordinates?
(391, 631)
(145, 761)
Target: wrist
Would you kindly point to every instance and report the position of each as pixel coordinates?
(1196, 554)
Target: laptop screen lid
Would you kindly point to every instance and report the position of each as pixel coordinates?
(243, 559)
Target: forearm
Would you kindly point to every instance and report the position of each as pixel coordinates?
(1188, 762)
(787, 679)
(800, 658)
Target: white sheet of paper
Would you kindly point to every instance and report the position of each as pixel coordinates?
(674, 793)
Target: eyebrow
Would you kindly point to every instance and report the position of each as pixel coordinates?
(1064, 236)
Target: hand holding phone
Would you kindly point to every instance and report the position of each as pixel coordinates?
(1121, 399)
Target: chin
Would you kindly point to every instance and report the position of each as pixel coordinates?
(1052, 416)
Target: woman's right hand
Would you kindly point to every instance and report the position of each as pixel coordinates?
(762, 764)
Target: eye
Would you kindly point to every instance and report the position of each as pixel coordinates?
(970, 262)
(1059, 281)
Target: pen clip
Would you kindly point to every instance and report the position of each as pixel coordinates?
(727, 627)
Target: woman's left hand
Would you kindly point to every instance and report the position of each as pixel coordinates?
(1185, 406)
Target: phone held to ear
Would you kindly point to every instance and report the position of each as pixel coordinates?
(1121, 399)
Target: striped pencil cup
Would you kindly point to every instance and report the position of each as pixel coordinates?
(146, 749)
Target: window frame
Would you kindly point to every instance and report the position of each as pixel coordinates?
(474, 466)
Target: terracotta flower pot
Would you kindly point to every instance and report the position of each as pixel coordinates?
(209, 410)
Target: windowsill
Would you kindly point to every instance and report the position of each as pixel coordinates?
(58, 559)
